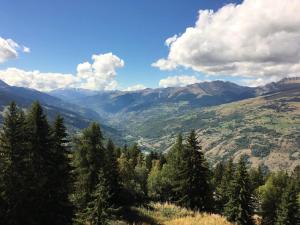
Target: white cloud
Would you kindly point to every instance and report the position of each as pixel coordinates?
(165, 64)
(255, 82)
(170, 40)
(100, 75)
(178, 81)
(26, 49)
(8, 49)
(256, 39)
(36, 79)
(136, 87)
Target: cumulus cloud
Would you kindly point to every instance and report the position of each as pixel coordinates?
(256, 39)
(178, 81)
(165, 64)
(136, 87)
(36, 79)
(170, 40)
(98, 75)
(9, 49)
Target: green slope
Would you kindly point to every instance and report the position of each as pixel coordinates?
(266, 128)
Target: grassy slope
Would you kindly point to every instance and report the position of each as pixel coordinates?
(267, 128)
(169, 214)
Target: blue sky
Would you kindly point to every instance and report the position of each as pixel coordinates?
(62, 34)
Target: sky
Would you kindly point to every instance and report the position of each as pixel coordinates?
(134, 44)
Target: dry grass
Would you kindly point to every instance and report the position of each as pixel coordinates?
(170, 214)
(203, 219)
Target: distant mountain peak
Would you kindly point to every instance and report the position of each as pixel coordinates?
(3, 84)
(290, 80)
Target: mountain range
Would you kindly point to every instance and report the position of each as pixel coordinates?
(76, 117)
(230, 120)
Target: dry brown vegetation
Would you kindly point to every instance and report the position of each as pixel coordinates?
(170, 214)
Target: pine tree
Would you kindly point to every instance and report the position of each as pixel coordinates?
(231, 206)
(256, 177)
(218, 173)
(149, 159)
(12, 165)
(270, 195)
(288, 211)
(61, 207)
(296, 177)
(154, 179)
(140, 179)
(171, 169)
(89, 160)
(217, 181)
(40, 166)
(225, 188)
(134, 153)
(194, 186)
(239, 207)
(126, 171)
(98, 211)
(111, 173)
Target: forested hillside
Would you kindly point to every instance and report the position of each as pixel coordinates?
(265, 128)
(48, 177)
(76, 117)
(230, 120)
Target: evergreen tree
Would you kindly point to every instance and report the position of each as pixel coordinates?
(126, 171)
(256, 177)
(227, 179)
(171, 169)
(232, 207)
(111, 173)
(296, 177)
(162, 158)
(239, 207)
(12, 166)
(98, 211)
(61, 205)
(154, 182)
(288, 210)
(39, 167)
(88, 161)
(194, 186)
(218, 174)
(270, 195)
(140, 179)
(223, 191)
(149, 159)
(133, 154)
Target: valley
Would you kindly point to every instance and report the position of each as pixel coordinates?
(230, 120)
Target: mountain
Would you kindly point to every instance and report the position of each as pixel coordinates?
(76, 117)
(282, 85)
(196, 95)
(72, 94)
(265, 128)
(230, 120)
